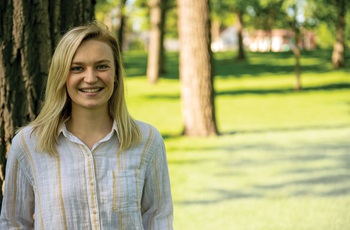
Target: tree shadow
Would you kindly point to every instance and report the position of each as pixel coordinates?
(285, 129)
(328, 87)
(225, 64)
(306, 89)
(221, 195)
(335, 182)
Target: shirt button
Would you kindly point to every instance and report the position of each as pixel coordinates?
(92, 184)
(94, 211)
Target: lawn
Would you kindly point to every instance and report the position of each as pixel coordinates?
(282, 160)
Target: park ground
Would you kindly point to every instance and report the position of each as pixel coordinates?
(282, 161)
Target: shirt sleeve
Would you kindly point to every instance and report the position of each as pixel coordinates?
(157, 206)
(18, 201)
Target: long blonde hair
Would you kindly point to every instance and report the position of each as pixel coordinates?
(57, 105)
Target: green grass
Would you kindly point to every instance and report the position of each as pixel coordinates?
(282, 160)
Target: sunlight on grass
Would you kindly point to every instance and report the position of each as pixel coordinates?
(283, 159)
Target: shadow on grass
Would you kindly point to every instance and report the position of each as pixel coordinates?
(328, 87)
(286, 129)
(298, 169)
(306, 178)
(167, 136)
(225, 64)
(221, 196)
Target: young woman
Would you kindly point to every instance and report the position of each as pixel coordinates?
(85, 163)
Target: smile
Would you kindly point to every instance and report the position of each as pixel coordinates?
(93, 90)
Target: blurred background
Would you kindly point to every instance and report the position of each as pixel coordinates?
(252, 98)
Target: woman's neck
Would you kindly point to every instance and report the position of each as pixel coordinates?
(89, 127)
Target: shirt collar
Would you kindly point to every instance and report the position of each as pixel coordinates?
(66, 133)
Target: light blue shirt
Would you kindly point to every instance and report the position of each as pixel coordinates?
(87, 189)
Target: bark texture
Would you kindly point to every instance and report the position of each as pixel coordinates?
(241, 54)
(29, 31)
(122, 25)
(339, 46)
(156, 39)
(196, 72)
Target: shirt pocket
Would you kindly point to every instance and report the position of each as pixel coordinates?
(124, 190)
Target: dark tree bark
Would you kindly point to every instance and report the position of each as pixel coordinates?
(241, 54)
(296, 50)
(29, 31)
(122, 25)
(339, 45)
(196, 72)
(156, 54)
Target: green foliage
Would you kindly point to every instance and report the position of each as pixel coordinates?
(268, 14)
(325, 36)
(325, 10)
(282, 160)
(224, 10)
(103, 7)
(171, 20)
(325, 17)
(140, 14)
(137, 45)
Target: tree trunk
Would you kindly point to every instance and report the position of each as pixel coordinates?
(215, 30)
(339, 46)
(196, 72)
(296, 50)
(155, 62)
(28, 34)
(122, 25)
(241, 54)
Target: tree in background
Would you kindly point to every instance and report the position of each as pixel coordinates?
(157, 11)
(28, 36)
(122, 24)
(333, 13)
(339, 46)
(156, 52)
(196, 72)
(113, 14)
(266, 15)
(224, 8)
(293, 9)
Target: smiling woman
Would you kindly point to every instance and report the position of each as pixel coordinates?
(84, 162)
(91, 78)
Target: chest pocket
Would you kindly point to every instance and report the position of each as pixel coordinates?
(125, 187)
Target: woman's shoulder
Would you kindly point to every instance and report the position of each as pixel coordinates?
(149, 132)
(147, 128)
(21, 149)
(152, 141)
(23, 138)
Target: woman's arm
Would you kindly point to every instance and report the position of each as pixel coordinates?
(157, 206)
(18, 201)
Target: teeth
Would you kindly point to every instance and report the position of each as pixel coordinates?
(90, 90)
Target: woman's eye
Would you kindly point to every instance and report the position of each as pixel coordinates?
(76, 68)
(102, 67)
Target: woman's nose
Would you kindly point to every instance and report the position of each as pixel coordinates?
(90, 76)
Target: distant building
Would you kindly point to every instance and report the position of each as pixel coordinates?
(228, 40)
(278, 40)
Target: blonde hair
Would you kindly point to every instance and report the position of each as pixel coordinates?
(57, 106)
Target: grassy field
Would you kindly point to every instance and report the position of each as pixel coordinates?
(282, 160)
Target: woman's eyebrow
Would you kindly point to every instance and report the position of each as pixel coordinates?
(81, 63)
(104, 60)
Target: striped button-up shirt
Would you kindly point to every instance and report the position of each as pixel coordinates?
(84, 188)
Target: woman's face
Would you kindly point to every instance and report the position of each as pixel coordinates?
(90, 82)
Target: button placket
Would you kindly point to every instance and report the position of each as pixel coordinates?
(92, 188)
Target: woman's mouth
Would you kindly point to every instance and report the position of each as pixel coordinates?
(90, 90)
